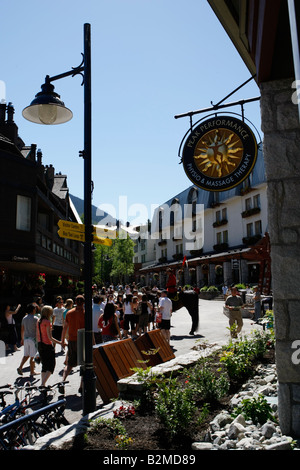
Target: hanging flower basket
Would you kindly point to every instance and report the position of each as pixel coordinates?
(204, 267)
(218, 269)
(42, 279)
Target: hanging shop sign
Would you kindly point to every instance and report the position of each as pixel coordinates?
(219, 153)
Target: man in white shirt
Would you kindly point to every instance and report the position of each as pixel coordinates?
(165, 308)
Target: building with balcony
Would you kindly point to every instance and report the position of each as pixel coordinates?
(214, 232)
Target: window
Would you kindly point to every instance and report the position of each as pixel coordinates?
(256, 201)
(249, 230)
(43, 220)
(222, 237)
(179, 249)
(23, 221)
(258, 227)
(248, 204)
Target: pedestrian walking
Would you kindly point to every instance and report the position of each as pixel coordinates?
(28, 338)
(144, 316)
(46, 343)
(58, 319)
(257, 304)
(165, 308)
(108, 323)
(74, 321)
(128, 316)
(234, 304)
(97, 311)
(12, 335)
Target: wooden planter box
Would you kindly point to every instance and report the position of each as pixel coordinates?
(114, 361)
(154, 340)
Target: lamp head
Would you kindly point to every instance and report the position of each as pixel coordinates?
(47, 107)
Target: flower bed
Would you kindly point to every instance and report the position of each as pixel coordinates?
(173, 412)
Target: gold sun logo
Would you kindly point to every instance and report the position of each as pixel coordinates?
(218, 153)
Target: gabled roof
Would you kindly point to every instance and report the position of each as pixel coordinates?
(7, 145)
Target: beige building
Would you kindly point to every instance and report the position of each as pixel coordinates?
(213, 231)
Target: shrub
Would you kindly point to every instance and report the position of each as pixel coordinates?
(174, 407)
(238, 357)
(204, 384)
(257, 409)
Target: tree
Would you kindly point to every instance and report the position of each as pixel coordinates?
(102, 264)
(122, 258)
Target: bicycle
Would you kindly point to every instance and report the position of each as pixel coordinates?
(34, 424)
(56, 418)
(17, 408)
(26, 430)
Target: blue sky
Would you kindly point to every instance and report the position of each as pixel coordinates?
(151, 60)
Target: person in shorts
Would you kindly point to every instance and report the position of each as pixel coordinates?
(165, 308)
(28, 338)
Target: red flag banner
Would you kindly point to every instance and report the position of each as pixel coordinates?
(184, 261)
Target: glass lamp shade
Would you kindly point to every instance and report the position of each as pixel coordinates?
(47, 108)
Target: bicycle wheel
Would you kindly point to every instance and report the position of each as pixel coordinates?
(34, 431)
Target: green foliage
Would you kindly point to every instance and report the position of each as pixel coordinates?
(212, 289)
(117, 429)
(102, 264)
(268, 320)
(240, 286)
(257, 409)
(174, 407)
(238, 356)
(204, 384)
(122, 258)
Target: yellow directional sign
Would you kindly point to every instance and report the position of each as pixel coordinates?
(76, 232)
(102, 241)
(72, 234)
(65, 224)
(104, 232)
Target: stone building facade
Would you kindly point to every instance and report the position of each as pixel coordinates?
(266, 35)
(280, 124)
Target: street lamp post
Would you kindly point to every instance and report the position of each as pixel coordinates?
(47, 108)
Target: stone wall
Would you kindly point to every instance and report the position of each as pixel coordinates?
(281, 129)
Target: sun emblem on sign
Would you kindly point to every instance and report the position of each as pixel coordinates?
(218, 153)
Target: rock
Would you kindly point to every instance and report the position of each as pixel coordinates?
(240, 419)
(268, 429)
(202, 446)
(282, 445)
(235, 429)
(247, 443)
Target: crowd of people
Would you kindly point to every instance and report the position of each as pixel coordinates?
(116, 313)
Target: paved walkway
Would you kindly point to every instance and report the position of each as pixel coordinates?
(213, 329)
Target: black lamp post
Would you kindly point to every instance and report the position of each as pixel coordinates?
(47, 108)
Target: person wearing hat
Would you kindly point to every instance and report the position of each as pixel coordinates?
(234, 304)
(171, 284)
